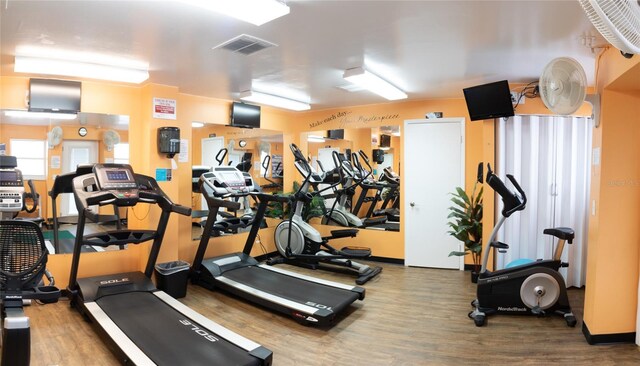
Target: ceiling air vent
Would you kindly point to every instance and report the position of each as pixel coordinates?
(245, 44)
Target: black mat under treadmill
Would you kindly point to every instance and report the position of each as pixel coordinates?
(156, 329)
(292, 288)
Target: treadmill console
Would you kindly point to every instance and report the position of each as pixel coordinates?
(112, 177)
(226, 180)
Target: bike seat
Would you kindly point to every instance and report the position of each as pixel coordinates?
(564, 233)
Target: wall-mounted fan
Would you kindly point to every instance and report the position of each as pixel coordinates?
(618, 21)
(563, 85)
(54, 137)
(110, 138)
(264, 147)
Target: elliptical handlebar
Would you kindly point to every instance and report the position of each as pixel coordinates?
(265, 164)
(357, 165)
(512, 202)
(297, 154)
(34, 196)
(366, 161)
(219, 158)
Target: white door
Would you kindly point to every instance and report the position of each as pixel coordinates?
(434, 157)
(74, 153)
(209, 149)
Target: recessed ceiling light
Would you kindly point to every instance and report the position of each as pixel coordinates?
(274, 100)
(40, 115)
(52, 61)
(373, 83)
(255, 12)
(313, 138)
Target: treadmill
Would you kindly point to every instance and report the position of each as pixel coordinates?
(364, 178)
(307, 299)
(63, 184)
(145, 325)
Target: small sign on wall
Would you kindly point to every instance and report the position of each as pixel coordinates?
(55, 161)
(164, 108)
(183, 157)
(163, 175)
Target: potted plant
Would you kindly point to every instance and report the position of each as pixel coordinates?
(466, 225)
(314, 208)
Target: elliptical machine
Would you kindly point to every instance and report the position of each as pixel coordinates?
(339, 214)
(301, 244)
(13, 196)
(534, 288)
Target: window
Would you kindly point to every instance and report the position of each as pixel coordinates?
(31, 156)
(121, 153)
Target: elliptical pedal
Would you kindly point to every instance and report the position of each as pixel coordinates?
(360, 252)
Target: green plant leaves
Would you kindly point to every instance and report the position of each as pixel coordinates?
(466, 223)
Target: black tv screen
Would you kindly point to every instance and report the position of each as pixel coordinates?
(245, 115)
(489, 101)
(47, 95)
(335, 134)
(385, 141)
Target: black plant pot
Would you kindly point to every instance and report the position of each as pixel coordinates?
(474, 276)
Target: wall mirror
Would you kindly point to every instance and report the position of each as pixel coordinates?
(256, 151)
(375, 202)
(48, 146)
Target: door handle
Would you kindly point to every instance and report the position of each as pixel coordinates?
(412, 204)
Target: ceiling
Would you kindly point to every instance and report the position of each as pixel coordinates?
(430, 49)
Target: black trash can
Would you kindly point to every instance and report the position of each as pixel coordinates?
(172, 278)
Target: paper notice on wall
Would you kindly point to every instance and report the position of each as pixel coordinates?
(164, 108)
(183, 157)
(55, 161)
(595, 158)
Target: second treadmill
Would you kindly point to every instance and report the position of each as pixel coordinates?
(307, 299)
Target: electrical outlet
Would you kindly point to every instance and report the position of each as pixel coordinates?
(515, 96)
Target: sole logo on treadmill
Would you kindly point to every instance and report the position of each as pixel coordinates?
(318, 306)
(199, 331)
(118, 281)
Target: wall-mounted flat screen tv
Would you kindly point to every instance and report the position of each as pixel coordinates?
(245, 115)
(49, 95)
(335, 134)
(385, 140)
(489, 101)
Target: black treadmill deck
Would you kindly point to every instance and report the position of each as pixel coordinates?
(176, 340)
(293, 288)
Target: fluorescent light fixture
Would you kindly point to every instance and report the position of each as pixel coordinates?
(80, 69)
(397, 134)
(274, 100)
(312, 138)
(195, 124)
(255, 12)
(373, 83)
(40, 115)
(384, 148)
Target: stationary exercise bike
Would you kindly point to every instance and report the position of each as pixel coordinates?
(301, 244)
(534, 288)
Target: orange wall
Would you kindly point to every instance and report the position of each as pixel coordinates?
(613, 261)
